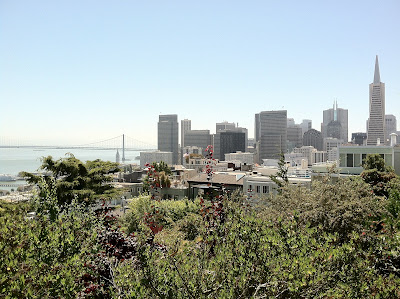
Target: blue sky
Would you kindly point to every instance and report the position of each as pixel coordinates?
(77, 71)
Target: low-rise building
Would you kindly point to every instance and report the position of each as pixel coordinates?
(205, 185)
(199, 164)
(318, 157)
(306, 151)
(187, 150)
(245, 158)
(351, 157)
(296, 159)
(258, 186)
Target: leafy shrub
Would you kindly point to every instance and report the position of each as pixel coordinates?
(168, 211)
(253, 257)
(336, 240)
(341, 207)
(43, 257)
(190, 226)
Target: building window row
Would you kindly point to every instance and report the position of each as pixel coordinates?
(357, 160)
(265, 189)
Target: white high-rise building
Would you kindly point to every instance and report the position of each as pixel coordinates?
(376, 121)
(391, 126)
(306, 125)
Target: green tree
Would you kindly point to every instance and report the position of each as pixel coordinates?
(377, 174)
(155, 172)
(281, 178)
(162, 167)
(73, 178)
(375, 161)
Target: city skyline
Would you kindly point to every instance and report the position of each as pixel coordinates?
(73, 72)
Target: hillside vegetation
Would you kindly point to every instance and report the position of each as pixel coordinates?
(337, 240)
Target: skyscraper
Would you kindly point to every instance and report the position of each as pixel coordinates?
(199, 138)
(272, 130)
(226, 126)
(376, 121)
(313, 138)
(390, 125)
(335, 123)
(186, 125)
(306, 125)
(168, 132)
(359, 138)
(257, 132)
(294, 137)
(229, 141)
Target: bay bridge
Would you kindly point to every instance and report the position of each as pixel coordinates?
(123, 142)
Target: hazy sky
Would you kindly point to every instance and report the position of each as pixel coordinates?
(77, 71)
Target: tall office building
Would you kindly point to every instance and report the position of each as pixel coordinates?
(313, 138)
(294, 137)
(359, 138)
(335, 123)
(186, 125)
(229, 141)
(257, 132)
(272, 127)
(376, 121)
(168, 135)
(306, 125)
(390, 125)
(199, 138)
(225, 126)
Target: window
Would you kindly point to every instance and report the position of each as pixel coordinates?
(265, 189)
(258, 189)
(357, 160)
(350, 160)
(250, 188)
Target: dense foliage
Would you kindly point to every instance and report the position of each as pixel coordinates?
(44, 257)
(339, 239)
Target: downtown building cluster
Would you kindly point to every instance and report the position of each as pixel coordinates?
(307, 151)
(275, 133)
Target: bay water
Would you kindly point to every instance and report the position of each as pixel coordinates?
(15, 160)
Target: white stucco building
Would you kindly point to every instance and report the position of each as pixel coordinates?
(245, 158)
